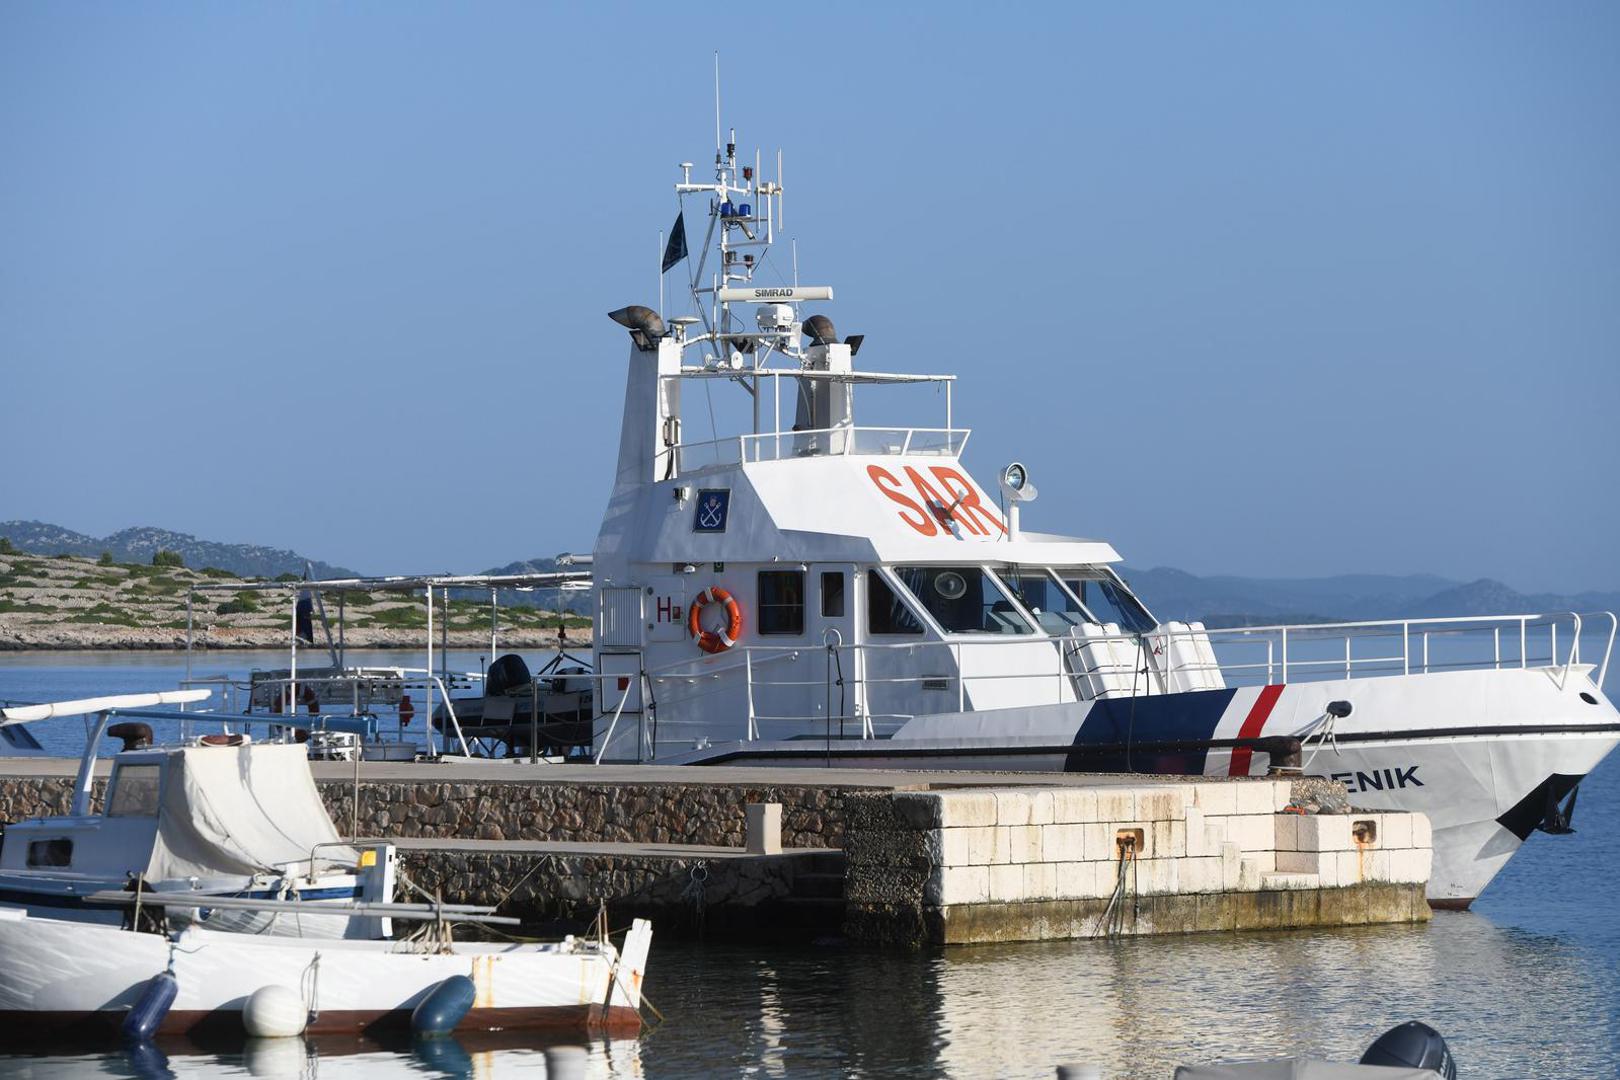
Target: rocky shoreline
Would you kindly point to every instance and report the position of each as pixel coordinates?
(65, 602)
(120, 639)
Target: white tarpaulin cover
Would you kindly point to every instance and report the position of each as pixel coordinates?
(239, 810)
(1299, 1069)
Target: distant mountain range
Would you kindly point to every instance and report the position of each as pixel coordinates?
(1239, 601)
(139, 544)
(1220, 600)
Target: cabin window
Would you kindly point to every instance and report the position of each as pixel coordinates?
(832, 594)
(964, 599)
(886, 613)
(1109, 603)
(1043, 597)
(46, 853)
(135, 791)
(781, 601)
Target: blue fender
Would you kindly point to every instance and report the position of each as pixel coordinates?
(151, 1007)
(444, 1007)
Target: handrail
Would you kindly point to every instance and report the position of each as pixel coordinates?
(1426, 621)
(827, 442)
(668, 672)
(450, 711)
(607, 737)
(1306, 650)
(1608, 649)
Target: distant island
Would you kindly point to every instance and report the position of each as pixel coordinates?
(79, 602)
(61, 589)
(136, 546)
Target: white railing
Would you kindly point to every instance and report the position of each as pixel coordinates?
(364, 691)
(681, 685)
(1301, 652)
(1282, 653)
(822, 442)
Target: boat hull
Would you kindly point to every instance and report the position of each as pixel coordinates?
(65, 978)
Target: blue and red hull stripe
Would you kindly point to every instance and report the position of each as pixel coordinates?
(1253, 724)
(1159, 734)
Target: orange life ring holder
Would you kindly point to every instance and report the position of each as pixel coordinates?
(715, 641)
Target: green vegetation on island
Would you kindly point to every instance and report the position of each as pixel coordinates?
(83, 601)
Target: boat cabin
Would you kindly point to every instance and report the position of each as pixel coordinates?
(233, 817)
(812, 577)
(116, 843)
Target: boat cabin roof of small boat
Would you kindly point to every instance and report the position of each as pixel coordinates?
(223, 807)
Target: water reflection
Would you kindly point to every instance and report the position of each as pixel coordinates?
(1526, 985)
(1510, 1002)
(1142, 1007)
(482, 1057)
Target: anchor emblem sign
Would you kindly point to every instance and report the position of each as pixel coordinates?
(712, 506)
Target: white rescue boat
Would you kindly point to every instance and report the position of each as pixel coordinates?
(807, 590)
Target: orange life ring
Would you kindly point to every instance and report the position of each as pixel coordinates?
(714, 641)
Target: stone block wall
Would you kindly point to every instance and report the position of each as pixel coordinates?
(576, 812)
(684, 895)
(503, 809)
(24, 797)
(1351, 849)
(1007, 864)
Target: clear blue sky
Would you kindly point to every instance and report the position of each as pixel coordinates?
(1270, 288)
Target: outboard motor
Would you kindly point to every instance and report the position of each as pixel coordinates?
(1415, 1046)
(507, 673)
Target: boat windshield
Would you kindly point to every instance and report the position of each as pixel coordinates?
(1053, 606)
(1108, 601)
(964, 599)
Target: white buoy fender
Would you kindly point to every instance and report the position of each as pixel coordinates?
(274, 1012)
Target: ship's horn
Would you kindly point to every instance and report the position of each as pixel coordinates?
(643, 323)
(819, 329)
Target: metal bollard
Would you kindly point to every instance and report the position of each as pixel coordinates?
(1079, 1072)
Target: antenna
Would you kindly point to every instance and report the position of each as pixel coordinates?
(795, 263)
(660, 273)
(717, 106)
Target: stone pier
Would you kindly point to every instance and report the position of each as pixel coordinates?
(904, 858)
(1019, 864)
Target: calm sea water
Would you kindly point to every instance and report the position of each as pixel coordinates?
(1526, 984)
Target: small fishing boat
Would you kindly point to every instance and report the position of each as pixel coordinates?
(342, 711)
(223, 817)
(547, 713)
(68, 978)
